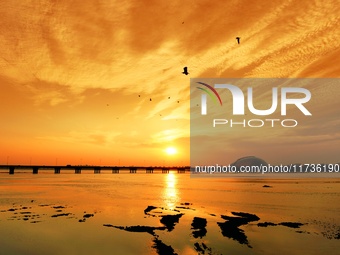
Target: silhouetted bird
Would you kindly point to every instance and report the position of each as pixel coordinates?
(138, 95)
(168, 97)
(238, 39)
(177, 102)
(185, 71)
(150, 99)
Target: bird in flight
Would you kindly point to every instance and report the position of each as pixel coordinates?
(238, 39)
(185, 70)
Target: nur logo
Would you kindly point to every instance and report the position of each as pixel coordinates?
(301, 95)
(239, 99)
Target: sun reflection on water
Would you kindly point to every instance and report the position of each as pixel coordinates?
(170, 193)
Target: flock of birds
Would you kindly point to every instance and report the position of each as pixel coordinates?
(185, 71)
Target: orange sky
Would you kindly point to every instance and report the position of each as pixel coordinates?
(71, 72)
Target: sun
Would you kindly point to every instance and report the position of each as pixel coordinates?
(171, 150)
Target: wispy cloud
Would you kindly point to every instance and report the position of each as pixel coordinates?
(97, 137)
(80, 64)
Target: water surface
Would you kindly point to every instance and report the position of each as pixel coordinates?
(105, 214)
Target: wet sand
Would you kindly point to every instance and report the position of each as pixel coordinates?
(167, 214)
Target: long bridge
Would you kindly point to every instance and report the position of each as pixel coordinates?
(96, 169)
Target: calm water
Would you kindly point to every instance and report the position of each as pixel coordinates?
(66, 214)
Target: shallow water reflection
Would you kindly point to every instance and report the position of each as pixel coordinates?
(105, 213)
(170, 193)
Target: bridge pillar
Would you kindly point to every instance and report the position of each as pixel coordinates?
(35, 169)
(115, 170)
(149, 170)
(11, 170)
(181, 170)
(165, 170)
(97, 170)
(77, 170)
(57, 170)
(133, 170)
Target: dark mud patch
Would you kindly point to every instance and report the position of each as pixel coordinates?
(86, 216)
(61, 215)
(202, 248)
(286, 224)
(266, 224)
(138, 228)
(291, 224)
(162, 249)
(59, 207)
(198, 225)
(169, 221)
(231, 229)
(186, 203)
(149, 209)
(247, 216)
(185, 207)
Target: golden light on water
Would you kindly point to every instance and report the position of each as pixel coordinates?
(170, 193)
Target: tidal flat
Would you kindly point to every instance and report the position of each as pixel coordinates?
(167, 214)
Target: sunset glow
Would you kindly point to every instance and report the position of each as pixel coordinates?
(171, 150)
(101, 81)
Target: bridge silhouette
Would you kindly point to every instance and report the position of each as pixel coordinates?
(96, 169)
